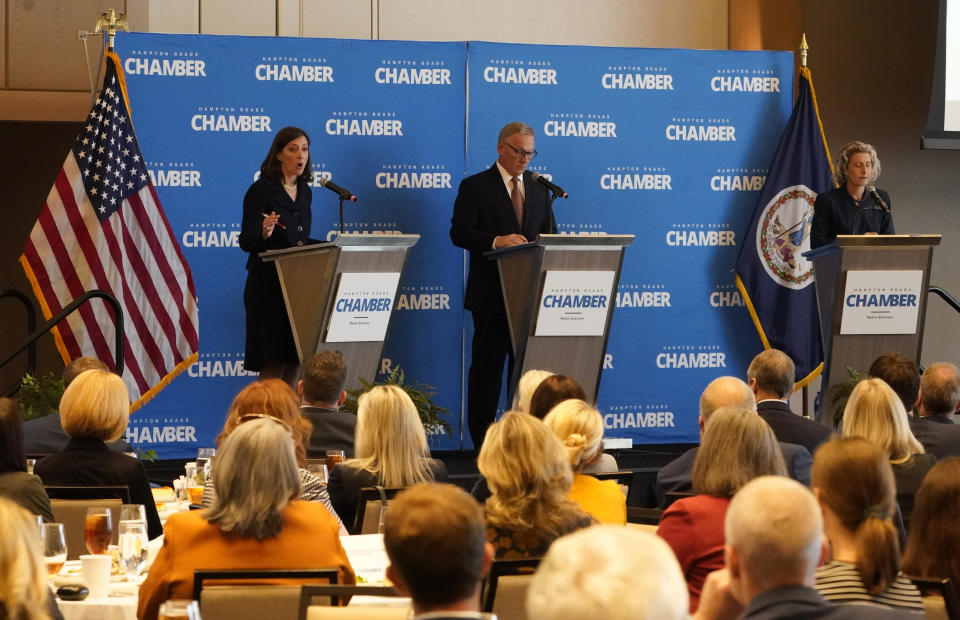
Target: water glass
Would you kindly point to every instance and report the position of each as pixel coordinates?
(54, 547)
(319, 470)
(133, 547)
(133, 512)
(31, 463)
(179, 609)
(98, 529)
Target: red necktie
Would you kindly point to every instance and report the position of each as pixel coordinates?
(516, 197)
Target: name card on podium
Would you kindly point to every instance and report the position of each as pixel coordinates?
(881, 301)
(574, 303)
(361, 308)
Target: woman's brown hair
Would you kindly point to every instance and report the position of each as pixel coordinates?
(852, 477)
(274, 398)
(934, 527)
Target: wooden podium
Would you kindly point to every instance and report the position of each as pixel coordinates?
(530, 276)
(860, 324)
(313, 276)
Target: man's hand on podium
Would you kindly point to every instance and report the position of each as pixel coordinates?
(508, 240)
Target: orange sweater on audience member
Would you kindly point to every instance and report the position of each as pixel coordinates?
(309, 539)
(602, 499)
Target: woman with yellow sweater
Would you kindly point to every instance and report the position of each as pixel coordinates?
(580, 429)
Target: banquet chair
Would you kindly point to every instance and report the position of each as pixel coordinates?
(940, 600)
(242, 598)
(331, 597)
(624, 479)
(72, 513)
(505, 588)
(372, 506)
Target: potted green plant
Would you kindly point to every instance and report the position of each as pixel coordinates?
(840, 392)
(432, 416)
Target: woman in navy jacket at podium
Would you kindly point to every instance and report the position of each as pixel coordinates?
(276, 215)
(855, 207)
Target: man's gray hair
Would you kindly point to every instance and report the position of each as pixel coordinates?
(255, 475)
(776, 528)
(610, 572)
(940, 388)
(515, 128)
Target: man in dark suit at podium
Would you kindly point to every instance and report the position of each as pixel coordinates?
(770, 376)
(939, 398)
(497, 208)
(321, 396)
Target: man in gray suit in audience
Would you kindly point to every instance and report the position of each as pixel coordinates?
(321, 396)
(774, 542)
(725, 392)
(939, 399)
(436, 538)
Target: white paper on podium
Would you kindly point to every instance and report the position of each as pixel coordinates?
(574, 303)
(881, 302)
(362, 306)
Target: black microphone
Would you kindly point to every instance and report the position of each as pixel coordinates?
(333, 187)
(553, 187)
(873, 192)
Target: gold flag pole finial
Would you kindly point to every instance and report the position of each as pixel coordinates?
(804, 48)
(110, 22)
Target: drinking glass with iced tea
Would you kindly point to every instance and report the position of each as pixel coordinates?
(98, 529)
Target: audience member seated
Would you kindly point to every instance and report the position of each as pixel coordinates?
(253, 523)
(611, 573)
(737, 446)
(939, 397)
(935, 535)
(579, 428)
(435, 538)
(853, 482)
(24, 592)
(273, 399)
(725, 392)
(391, 450)
(45, 435)
(875, 412)
(527, 385)
(529, 477)
(900, 374)
(556, 389)
(774, 533)
(94, 410)
(15, 483)
(771, 376)
(321, 396)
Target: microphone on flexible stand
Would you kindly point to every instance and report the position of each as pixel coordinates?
(873, 192)
(333, 187)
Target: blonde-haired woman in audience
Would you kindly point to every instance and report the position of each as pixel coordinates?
(255, 521)
(874, 411)
(274, 399)
(391, 450)
(95, 409)
(526, 387)
(736, 447)
(529, 477)
(24, 593)
(579, 427)
(853, 482)
(932, 549)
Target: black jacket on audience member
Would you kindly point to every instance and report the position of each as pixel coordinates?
(939, 435)
(332, 430)
(89, 462)
(791, 428)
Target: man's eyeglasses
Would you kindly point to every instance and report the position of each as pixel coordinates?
(520, 152)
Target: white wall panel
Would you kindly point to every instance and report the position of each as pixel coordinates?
(342, 19)
(246, 17)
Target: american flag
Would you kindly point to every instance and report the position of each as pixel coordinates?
(102, 227)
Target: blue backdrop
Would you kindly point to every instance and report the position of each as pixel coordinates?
(668, 145)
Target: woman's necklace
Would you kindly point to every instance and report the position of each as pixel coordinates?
(854, 199)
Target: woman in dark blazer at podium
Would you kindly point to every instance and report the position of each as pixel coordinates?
(855, 207)
(276, 215)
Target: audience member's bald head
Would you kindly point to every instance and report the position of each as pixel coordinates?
(939, 389)
(725, 392)
(774, 534)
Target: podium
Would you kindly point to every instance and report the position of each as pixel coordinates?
(559, 293)
(872, 299)
(339, 296)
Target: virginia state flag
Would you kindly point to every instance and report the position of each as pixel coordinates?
(776, 282)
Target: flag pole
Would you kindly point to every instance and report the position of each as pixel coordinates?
(804, 48)
(109, 22)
